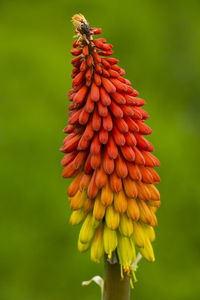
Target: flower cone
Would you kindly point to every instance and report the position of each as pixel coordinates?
(113, 192)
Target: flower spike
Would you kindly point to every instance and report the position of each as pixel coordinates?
(113, 191)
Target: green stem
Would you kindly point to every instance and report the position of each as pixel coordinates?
(114, 287)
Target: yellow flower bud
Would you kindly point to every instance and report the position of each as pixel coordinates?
(125, 252)
(77, 217)
(125, 225)
(99, 208)
(83, 247)
(87, 230)
(112, 217)
(97, 248)
(78, 200)
(138, 235)
(148, 231)
(120, 202)
(109, 240)
(153, 208)
(95, 223)
(147, 251)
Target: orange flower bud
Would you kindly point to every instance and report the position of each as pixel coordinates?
(120, 202)
(130, 187)
(106, 195)
(99, 208)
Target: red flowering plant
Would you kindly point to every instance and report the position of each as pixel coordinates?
(111, 162)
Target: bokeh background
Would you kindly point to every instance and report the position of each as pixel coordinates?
(158, 43)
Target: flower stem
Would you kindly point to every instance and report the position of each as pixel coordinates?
(114, 287)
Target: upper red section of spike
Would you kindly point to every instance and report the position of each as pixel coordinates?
(106, 120)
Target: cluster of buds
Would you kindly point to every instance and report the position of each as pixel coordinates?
(112, 193)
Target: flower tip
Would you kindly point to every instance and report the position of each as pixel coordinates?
(78, 21)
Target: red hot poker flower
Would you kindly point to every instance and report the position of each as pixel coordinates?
(111, 162)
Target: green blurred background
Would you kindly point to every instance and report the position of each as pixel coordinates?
(158, 43)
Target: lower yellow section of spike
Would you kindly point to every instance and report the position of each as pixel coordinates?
(108, 226)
